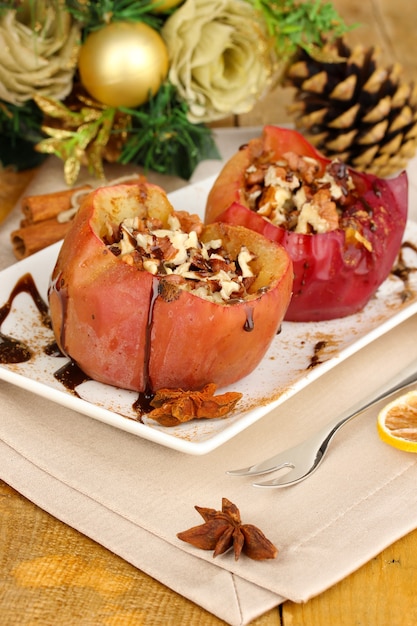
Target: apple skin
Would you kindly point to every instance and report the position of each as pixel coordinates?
(127, 328)
(333, 278)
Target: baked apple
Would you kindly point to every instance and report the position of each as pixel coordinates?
(342, 228)
(144, 297)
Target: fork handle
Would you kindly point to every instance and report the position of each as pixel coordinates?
(319, 441)
(406, 377)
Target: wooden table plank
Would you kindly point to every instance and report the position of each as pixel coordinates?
(382, 593)
(12, 185)
(51, 574)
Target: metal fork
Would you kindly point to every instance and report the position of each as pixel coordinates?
(304, 458)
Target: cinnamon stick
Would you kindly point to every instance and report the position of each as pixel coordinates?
(34, 237)
(41, 225)
(46, 206)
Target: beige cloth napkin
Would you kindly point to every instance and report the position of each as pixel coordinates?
(133, 496)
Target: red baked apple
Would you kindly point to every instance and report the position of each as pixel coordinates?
(342, 228)
(144, 297)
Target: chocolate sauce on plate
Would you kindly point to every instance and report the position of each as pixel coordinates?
(13, 350)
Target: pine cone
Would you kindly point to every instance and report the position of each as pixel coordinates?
(351, 107)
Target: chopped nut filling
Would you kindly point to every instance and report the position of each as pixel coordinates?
(203, 268)
(292, 194)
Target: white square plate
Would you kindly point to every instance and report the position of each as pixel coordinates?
(298, 355)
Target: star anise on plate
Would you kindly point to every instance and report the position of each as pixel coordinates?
(224, 529)
(175, 406)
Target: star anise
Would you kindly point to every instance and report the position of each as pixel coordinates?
(175, 406)
(224, 529)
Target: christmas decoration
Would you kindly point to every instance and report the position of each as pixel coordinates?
(38, 51)
(123, 63)
(350, 106)
(298, 25)
(92, 81)
(81, 134)
(212, 87)
(160, 6)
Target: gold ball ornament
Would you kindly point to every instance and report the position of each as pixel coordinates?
(123, 62)
(164, 5)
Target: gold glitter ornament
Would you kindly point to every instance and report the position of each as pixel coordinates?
(164, 5)
(122, 63)
(82, 132)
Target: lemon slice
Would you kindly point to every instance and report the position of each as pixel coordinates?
(397, 422)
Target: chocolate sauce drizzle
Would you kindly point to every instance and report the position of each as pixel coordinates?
(14, 350)
(70, 375)
(52, 349)
(402, 271)
(142, 404)
(57, 286)
(318, 350)
(249, 324)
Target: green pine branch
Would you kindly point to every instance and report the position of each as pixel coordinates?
(163, 140)
(306, 25)
(20, 130)
(96, 13)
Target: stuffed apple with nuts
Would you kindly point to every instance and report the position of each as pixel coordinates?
(342, 228)
(144, 297)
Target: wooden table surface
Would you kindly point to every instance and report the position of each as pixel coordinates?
(51, 574)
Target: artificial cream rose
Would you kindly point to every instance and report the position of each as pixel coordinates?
(38, 52)
(220, 57)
